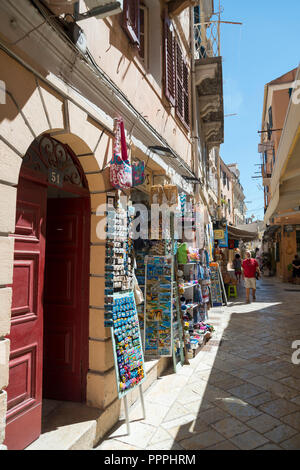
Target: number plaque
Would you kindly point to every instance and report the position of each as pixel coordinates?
(55, 177)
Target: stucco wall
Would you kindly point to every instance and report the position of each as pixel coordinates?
(114, 53)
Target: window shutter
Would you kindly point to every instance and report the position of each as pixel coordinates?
(182, 87)
(131, 20)
(142, 32)
(186, 94)
(169, 59)
(179, 82)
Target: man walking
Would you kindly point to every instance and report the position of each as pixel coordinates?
(250, 268)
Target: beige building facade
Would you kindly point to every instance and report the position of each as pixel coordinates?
(280, 146)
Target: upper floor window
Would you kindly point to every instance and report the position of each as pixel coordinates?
(176, 74)
(224, 178)
(135, 25)
(144, 28)
(270, 117)
(131, 20)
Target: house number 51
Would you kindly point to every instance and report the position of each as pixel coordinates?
(55, 177)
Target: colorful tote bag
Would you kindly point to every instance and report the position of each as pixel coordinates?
(138, 173)
(120, 168)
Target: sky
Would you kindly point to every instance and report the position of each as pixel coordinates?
(265, 47)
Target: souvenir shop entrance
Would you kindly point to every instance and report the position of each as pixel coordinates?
(49, 327)
(175, 280)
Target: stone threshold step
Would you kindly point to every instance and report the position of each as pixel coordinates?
(76, 426)
(70, 426)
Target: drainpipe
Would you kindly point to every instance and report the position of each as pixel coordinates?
(195, 134)
(196, 167)
(219, 183)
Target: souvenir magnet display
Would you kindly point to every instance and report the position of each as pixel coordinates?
(127, 345)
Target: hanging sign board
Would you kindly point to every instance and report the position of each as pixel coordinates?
(223, 243)
(218, 234)
(231, 244)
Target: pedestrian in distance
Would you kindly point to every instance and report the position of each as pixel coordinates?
(296, 267)
(251, 272)
(237, 265)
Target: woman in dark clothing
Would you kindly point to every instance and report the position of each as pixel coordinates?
(296, 266)
(237, 265)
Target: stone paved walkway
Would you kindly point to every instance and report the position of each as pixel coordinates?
(240, 392)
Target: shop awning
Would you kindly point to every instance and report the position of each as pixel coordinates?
(238, 234)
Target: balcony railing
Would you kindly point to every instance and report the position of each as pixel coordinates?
(207, 36)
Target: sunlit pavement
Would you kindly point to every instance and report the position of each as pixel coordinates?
(241, 391)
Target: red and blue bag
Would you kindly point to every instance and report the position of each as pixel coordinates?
(120, 168)
(138, 173)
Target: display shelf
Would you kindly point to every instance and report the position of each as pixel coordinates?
(187, 286)
(193, 306)
(196, 350)
(188, 264)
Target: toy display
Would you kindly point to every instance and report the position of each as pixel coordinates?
(128, 352)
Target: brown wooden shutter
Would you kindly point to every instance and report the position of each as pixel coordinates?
(186, 107)
(131, 20)
(169, 62)
(179, 83)
(182, 87)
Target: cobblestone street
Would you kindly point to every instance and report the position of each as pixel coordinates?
(240, 392)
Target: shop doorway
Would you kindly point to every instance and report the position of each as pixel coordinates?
(49, 327)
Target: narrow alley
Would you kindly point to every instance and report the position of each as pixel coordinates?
(241, 391)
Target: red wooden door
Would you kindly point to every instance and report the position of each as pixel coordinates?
(66, 299)
(25, 369)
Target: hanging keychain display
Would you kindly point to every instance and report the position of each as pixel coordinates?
(118, 263)
(120, 313)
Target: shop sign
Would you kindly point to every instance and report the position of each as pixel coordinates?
(224, 242)
(231, 244)
(219, 234)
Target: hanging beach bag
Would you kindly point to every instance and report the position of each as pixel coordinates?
(120, 168)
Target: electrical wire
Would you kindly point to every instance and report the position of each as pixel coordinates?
(89, 59)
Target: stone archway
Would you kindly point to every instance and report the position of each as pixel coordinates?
(41, 110)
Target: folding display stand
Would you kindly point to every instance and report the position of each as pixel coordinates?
(217, 286)
(222, 284)
(127, 412)
(120, 312)
(135, 360)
